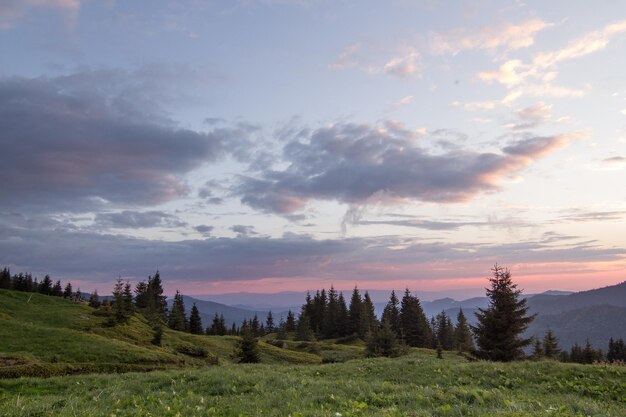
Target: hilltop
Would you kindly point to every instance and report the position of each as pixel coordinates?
(45, 336)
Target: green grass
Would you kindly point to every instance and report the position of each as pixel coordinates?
(45, 336)
(413, 385)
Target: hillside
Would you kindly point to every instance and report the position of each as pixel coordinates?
(414, 385)
(614, 295)
(208, 309)
(43, 335)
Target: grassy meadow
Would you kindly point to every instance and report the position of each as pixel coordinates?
(50, 337)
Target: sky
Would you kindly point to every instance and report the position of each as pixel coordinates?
(274, 145)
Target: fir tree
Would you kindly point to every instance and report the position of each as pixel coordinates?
(127, 300)
(444, 332)
(177, 319)
(290, 324)
(355, 312)
(248, 347)
(120, 313)
(415, 329)
(255, 326)
(500, 326)
(551, 348)
(57, 289)
(94, 300)
(156, 301)
(368, 316)
(537, 349)
(329, 327)
(303, 330)
(195, 322)
(382, 341)
(141, 295)
(45, 286)
(391, 314)
(616, 351)
(343, 321)
(5, 279)
(67, 292)
(462, 335)
(269, 322)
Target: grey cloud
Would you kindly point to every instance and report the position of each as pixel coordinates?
(93, 256)
(357, 164)
(615, 159)
(589, 216)
(71, 148)
(204, 229)
(243, 230)
(137, 220)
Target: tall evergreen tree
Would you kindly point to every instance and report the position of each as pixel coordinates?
(616, 351)
(537, 349)
(5, 279)
(329, 328)
(355, 312)
(195, 322)
(551, 348)
(382, 341)
(57, 289)
(303, 329)
(290, 324)
(94, 300)
(127, 300)
(415, 329)
(120, 311)
(45, 286)
(177, 319)
(500, 326)
(156, 301)
(391, 314)
(343, 321)
(462, 334)
(269, 322)
(444, 332)
(248, 347)
(141, 295)
(67, 292)
(255, 326)
(368, 316)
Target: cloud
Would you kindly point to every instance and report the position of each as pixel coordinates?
(531, 117)
(243, 231)
(204, 229)
(70, 147)
(536, 77)
(361, 164)
(593, 216)
(404, 101)
(615, 160)
(14, 10)
(507, 36)
(129, 219)
(401, 62)
(475, 105)
(291, 257)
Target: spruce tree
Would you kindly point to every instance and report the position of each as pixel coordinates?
(45, 286)
(5, 279)
(195, 322)
(500, 326)
(303, 329)
(343, 321)
(415, 329)
(177, 319)
(156, 301)
(255, 326)
(269, 322)
(67, 292)
(382, 341)
(127, 300)
(94, 300)
(290, 324)
(368, 316)
(391, 314)
(248, 347)
(57, 289)
(141, 295)
(329, 327)
(537, 349)
(444, 332)
(462, 334)
(120, 314)
(355, 312)
(551, 348)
